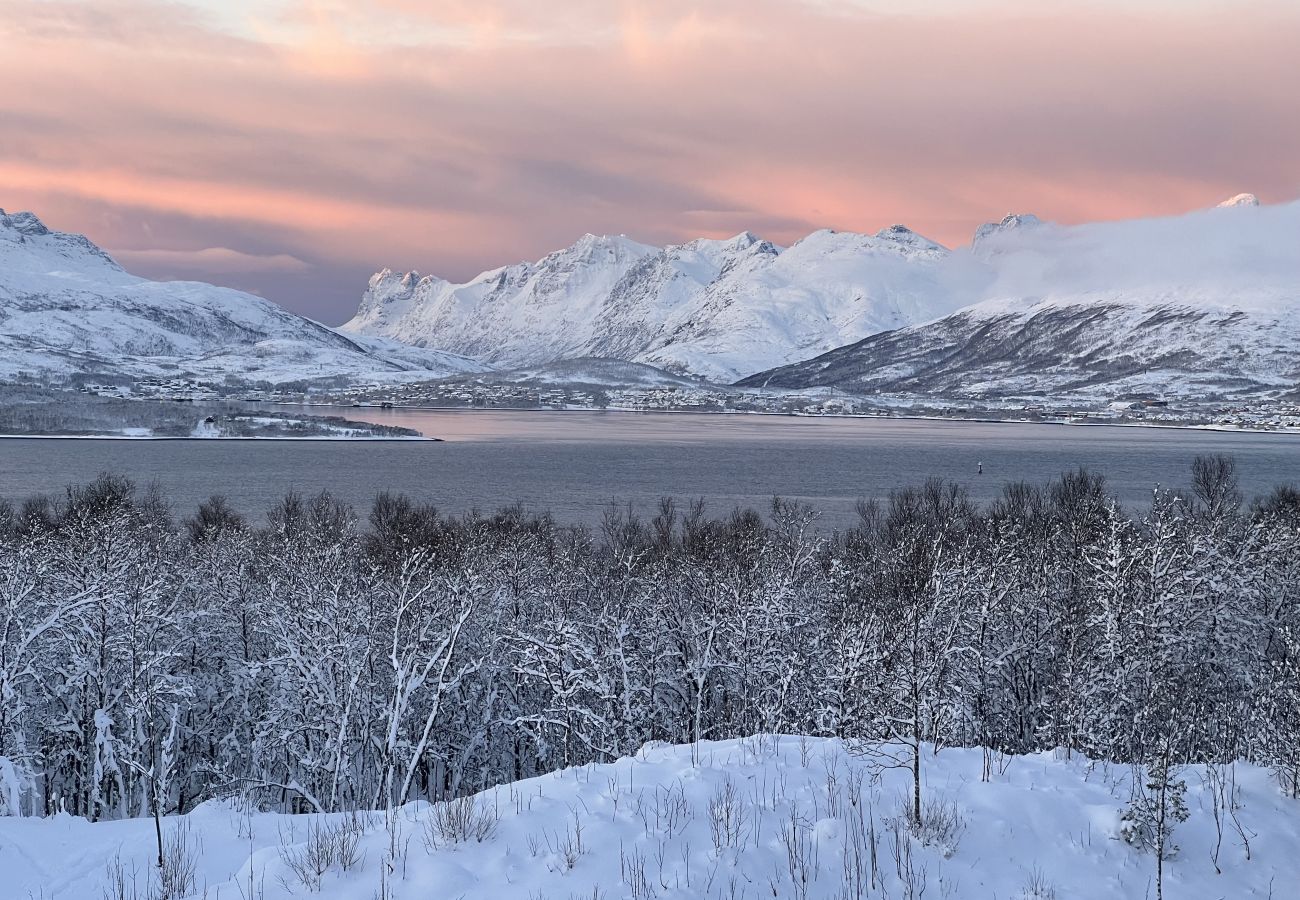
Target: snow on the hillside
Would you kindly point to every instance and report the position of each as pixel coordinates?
(66, 306)
(1200, 305)
(553, 303)
(826, 290)
(718, 308)
(586, 371)
(724, 309)
(784, 817)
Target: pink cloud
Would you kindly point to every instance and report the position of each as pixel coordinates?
(455, 135)
(211, 260)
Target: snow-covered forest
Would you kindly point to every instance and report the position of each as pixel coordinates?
(322, 662)
(328, 662)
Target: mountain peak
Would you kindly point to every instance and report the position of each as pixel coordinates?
(384, 276)
(590, 244)
(69, 309)
(1240, 200)
(23, 223)
(1010, 222)
(391, 284)
(742, 240)
(31, 246)
(600, 240)
(904, 236)
(718, 307)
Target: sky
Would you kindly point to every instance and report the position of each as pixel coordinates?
(293, 147)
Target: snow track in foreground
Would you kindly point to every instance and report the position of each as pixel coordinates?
(762, 817)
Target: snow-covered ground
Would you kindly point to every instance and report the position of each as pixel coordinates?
(784, 817)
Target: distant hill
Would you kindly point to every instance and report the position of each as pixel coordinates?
(67, 307)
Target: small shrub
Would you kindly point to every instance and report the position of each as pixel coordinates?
(122, 883)
(327, 846)
(1037, 887)
(728, 818)
(179, 861)
(460, 821)
(941, 825)
(566, 850)
(1153, 812)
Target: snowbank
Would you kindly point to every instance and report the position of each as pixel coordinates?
(760, 817)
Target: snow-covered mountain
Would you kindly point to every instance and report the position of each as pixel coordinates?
(1197, 305)
(67, 307)
(717, 308)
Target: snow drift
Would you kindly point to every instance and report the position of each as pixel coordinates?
(767, 816)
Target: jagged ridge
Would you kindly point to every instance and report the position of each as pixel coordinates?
(719, 308)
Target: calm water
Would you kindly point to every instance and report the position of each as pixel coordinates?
(574, 463)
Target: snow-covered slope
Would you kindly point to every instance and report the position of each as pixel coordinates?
(717, 308)
(1192, 306)
(580, 372)
(784, 817)
(66, 306)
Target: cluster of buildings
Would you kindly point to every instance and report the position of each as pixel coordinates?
(488, 394)
(155, 388)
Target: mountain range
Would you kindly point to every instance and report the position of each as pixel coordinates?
(1202, 305)
(720, 309)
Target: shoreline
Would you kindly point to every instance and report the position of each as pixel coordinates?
(170, 437)
(911, 417)
(1226, 429)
